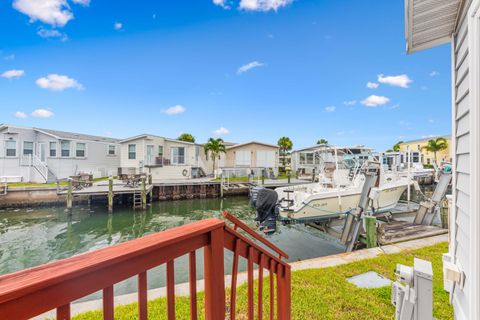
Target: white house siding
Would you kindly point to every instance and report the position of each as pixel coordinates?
(140, 143)
(97, 160)
(462, 128)
(194, 155)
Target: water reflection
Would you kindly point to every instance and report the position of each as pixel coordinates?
(30, 237)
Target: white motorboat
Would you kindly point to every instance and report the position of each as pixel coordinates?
(339, 187)
(314, 201)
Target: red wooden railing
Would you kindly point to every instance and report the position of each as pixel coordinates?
(31, 292)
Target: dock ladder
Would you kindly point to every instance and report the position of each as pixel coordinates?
(137, 199)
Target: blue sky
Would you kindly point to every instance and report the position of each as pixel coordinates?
(241, 70)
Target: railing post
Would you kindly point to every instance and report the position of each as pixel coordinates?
(214, 276)
(283, 293)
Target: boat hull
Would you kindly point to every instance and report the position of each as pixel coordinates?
(324, 206)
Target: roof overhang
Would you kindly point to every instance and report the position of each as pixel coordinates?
(430, 23)
(252, 142)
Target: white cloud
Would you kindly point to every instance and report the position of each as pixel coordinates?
(174, 110)
(249, 66)
(263, 5)
(221, 131)
(434, 73)
(9, 57)
(330, 109)
(431, 121)
(221, 3)
(402, 80)
(20, 115)
(10, 74)
(372, 85)
(51, 33)
(396, 106)
(375, 101)
(42, 113)
(341, 133)
(84, 3)
(53, 12)
(350, 103)
(56, 82)
(118, 26)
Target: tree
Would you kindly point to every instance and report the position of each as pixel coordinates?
(214, 147)
(396, 146)
(187, 137)
(435, 145)
(285, 145)
(322, 141)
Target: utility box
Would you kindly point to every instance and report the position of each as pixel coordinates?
(412, 293)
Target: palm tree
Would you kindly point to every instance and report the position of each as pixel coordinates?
(396, 146)
(322, 141)
(285, 145)
(435, 145)
(187, 137)
(215, 147)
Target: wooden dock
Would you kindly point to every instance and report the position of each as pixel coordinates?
(138, 193)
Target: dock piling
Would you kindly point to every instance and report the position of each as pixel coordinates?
(144, 194)
(150, 183)
(110, 194)
(371, 231)
(70, 194)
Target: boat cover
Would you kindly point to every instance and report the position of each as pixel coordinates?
(265, 204)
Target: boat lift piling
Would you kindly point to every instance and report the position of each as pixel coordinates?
(354, 221)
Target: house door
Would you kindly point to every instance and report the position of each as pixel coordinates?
(149, 159)
(42, 152)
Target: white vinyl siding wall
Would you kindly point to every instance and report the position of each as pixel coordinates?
(243, 158)
(266, 159)
(463, 129)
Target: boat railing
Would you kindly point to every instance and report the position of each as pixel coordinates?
(32, 292)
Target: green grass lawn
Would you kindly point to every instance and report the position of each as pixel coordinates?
(322, 293)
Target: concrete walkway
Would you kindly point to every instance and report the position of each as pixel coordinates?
(322, 262)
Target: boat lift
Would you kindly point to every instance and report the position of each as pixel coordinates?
(396, 231)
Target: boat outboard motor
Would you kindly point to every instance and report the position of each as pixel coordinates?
(254, 195)
(266, 206)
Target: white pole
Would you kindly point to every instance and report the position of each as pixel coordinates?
(409, 154)
(336, 165)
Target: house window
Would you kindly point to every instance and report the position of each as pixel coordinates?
(11, 148)
(27, 148)
(415, 157)
(80, 150)
(309, 158)
(53, 149)
(111, 150)
(65, 145)
(132, 151)
(302, 158)
(160, 151)
(178, 155)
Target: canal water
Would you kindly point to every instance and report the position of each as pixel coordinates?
(31, 237)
